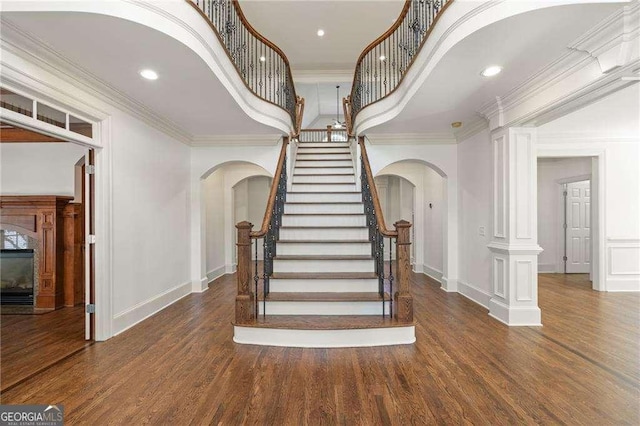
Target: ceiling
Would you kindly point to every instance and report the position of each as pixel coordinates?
(349, 25)
(187, 92)
(522, 45)
(320, 100)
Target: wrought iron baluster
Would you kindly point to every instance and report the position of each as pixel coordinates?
(391, 277)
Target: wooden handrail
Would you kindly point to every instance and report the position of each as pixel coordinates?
(374, 192)
(299, 116)
(386, 34)
(243, 20)
(378, 42)
(346, 109)
(272, 194)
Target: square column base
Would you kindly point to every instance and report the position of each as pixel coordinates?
(515, 315)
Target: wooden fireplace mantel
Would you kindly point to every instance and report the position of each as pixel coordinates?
(41, 216)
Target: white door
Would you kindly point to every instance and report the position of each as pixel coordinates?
(578, 227)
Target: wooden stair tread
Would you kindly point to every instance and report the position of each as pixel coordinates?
(324, 153)
(324, 183)
(323, 214)
(322, 257)
(322, 227)
(323, 275)
(324, 192)
(321, 167)
(323, 202)
(325, 322)
(326, 174)
(324, 241)
(326, 297)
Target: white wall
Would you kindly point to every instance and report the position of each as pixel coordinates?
(551, 174)
(475, 188)
(150, 220)
(39, 168)
(233, 192)
(609, 130)
(406, 188)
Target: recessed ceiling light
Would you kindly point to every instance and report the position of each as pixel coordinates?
(383, 58)
(491, 71)
(320, 33)
(262, 59)
(149, 74)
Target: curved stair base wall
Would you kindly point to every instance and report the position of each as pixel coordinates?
(351, 338)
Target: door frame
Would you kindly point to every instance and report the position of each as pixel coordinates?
(562, 240)
(100, 144)
(598, 194)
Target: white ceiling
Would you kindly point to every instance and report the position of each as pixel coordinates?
(320, 100)
(349, 25)
(115, 50)
(522, 45)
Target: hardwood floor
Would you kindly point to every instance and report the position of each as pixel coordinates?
(30, 343)
(181, 366)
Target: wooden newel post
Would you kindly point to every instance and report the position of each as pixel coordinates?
(245, 302)
(403, 298)
(329, 132)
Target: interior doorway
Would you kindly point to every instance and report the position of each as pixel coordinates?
(577, 227)
(47, 217)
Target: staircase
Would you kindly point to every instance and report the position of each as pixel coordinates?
(324, 291)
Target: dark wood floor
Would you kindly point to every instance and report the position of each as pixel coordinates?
(30, 343)
(181, 366)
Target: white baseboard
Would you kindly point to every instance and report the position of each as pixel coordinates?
(216, 273)
(618, 285)
(143, 310)
(547, 268)
(474, 294)
(450, 285)
(432, 273)
(418, 268)
(200, 286)
(230, 269)
(514, 316)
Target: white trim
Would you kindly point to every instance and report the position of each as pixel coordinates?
(411, 139)
(236, 140)
(479, 296)
(598, 180)
(216, 273)
(517, 316)
(324, 338)
(143, 310)
(432, 273)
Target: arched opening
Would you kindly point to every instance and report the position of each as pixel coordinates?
(231, 192)
(419, 192)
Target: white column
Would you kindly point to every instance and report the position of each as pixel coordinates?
(514, 243)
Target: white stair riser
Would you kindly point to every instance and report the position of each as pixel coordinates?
(303, 145)
(303, 150)
(317, 171)
(323, 285)
(315, 265)
(328, 187)
(323, 208)
(324, 308)
(324, 179)
(324, 220)
(324, 249)
(320, 234)
(323, 157)
(324, 338)
(330, 163)
(356, 197)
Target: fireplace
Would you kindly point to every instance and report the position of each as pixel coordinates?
(17, 276)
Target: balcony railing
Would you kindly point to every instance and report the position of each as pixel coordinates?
(261, 64)
(384, 63)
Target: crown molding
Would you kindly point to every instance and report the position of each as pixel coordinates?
(609, 42)
(236, 140)
(411, 139)
(471, 129)
(583, 138)
(32, 49)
